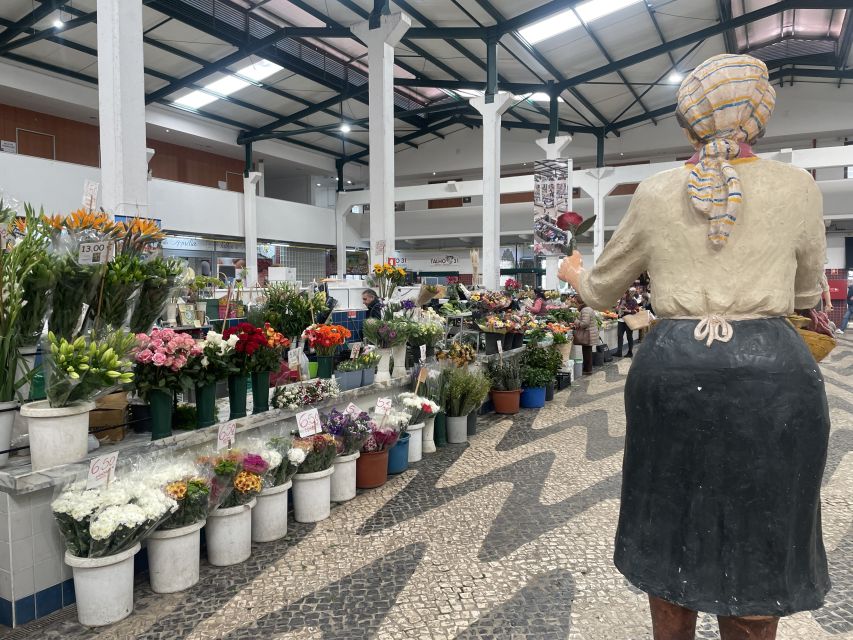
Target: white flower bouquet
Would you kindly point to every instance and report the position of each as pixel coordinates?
(188, 484)
(419, 407)
(301, 394)
(289, 458)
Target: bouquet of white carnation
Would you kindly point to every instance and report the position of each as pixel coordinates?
(419, 407)
(289, 459)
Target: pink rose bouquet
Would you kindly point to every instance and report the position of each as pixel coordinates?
(161, 358)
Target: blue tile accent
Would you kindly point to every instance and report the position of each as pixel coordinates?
(68, 596)
(5, 612)
(48, 600)
(25, 610)
(140, 560)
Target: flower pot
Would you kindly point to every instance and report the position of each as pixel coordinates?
(492, 340)
(398, 354)
(8, 411)
(472, 423)
(457, 429)
(566, 351)
(428, 440)
(27, 366)
(269, 517)
(237, 396)
(517, 340)
(416, 443)
(161, 402)
(325, 366)
(312, 370)
(312, 495)
(343, 479)
(348, 380)
(260, 392)
(57, 436)
(578, 369)
(398, 455)
(440, 429)
(383, 368)
(533, 397)
(597, 358)
(103, 587)
(139, 415)
(367, 376)
(205, 405)
(549, 392)
(228, 533)
(506, 402)
(371, 469)
(507, 341)
(173, 558)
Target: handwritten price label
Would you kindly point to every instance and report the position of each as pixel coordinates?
(308, 423)
(422, 375)
(90, 194)
(355, 350)
(352, 409)
(95, 252)
(383, 406)
(102, 470)
(293, 357)
(500, 346)
(423, 353)
(226, 435)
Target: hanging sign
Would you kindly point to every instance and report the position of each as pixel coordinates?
(308, 423)
(226, 435)
(102, 470)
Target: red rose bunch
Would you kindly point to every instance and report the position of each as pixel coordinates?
(249, 340)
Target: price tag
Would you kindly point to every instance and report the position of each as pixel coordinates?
(355, 350)
(95, 252)
(293, 357)
(352, 409)
(383, 406)
(308, 423)
(500, 346)
(422, 375)
(226, 435)
(423, 353)
(102, 470)
(90, 194)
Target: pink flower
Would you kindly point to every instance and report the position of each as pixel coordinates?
(169, 361)
(166, 334)
(158, 359)
(144, 357)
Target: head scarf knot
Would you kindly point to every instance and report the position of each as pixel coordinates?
(726, 100)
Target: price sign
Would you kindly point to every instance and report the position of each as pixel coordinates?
(90, 194)
(226, 435)
(308, 423)
(293, 357)
(95, 252)
(422, 375)
(102, 470)
(383, 406)
(352, 409)
(355, 350)
(500, 346)
(423, 353)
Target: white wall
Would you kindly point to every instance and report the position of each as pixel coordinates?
(836, 255)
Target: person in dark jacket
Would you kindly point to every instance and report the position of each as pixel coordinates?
(373, 304)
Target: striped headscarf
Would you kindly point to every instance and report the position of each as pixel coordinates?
(725, 101)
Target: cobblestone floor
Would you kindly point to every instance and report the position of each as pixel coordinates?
(510, 537)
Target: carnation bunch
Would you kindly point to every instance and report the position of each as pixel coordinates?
(302, 394)
(320, 451)
(380, 439)
(418, 407)
(562, 333)
(397, 419)
(249, 479)
(161, 357)
(349, 431)
(326, 338)
(221, 468)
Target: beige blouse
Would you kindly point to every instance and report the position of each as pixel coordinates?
(772, 263)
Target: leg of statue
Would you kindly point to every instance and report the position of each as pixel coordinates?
(748, 628)
(671, 621)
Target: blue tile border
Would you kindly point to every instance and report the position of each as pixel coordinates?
(38, 605)
(68, 596)
(48, 600)
(5, 612)
(25, 610)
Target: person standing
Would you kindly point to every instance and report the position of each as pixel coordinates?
(627, 306)
(374, 306)
(586, 334)
(847, 314)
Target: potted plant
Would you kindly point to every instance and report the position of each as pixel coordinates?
(262, 363)
(229, 527)
(348, 374)
(312, 485)
(398, 455)
(384, 334)
(249, 340)
(102, 529)
(325, 340)
(371, 470)
(562, 334)
(554, 362)
(77, 373)
(535, 376)
(427, 331)
(368, 362)
(211, 362)
(463, 393)
(161, 359)
(350, 431)
(269, 516)
(420, 409)
(505, 377)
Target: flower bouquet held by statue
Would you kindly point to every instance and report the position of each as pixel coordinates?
(574, 225)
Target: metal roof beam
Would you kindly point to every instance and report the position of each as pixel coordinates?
(39, 13)
(724, 7)
(47, 33)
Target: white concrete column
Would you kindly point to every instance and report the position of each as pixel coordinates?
(554, 151)
(340, 242)
(598, 211)
(250, 226)
(380, 59)
(121, 108)
(491, 259)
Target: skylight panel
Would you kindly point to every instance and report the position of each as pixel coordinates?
(259, 70)
(195, 99)
(595, 9)
(227, 85)
(567, 20)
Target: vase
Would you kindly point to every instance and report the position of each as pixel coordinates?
(566, 352)
(398, 455)
(325, 366)
(173, 558)
(428, 440)
(57, 436)
(343, 479)
(161, 402)
(205, 405)
(416, 443)
(457, 429)
(383, 368)
(237, 396)
(517, 340)
(506, 402)
(228, 534)
(8, 411)
(368, 376)
(269, 517)
(371, 469)
(348, 380)
(549, 391)
(492, 340)
(103, 587)
(260, 392)
(201, 311)
(312, 495)
(398, 355)
(471, 425)
(440, 429)
(171, 314)
(533, 397)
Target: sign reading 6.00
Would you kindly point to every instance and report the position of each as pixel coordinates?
(95, 252)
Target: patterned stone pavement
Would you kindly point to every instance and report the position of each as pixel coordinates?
(510, 537)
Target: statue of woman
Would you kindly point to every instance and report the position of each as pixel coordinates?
(727, 419)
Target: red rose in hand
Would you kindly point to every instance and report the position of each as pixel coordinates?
(569, 220)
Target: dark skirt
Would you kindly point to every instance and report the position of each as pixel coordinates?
(724, 455)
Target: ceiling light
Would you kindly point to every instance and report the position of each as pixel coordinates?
(259, 70)
(168, 131)
(349, 181)
(319, 185)
(675, 77)
(433, 173)
(58, 23)
(470, 93)
(345, 128)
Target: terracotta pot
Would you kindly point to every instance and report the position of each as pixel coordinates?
(371, 469)
(506, 402)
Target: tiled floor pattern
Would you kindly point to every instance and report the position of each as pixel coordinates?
(510, 537)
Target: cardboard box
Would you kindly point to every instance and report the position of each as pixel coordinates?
(111, 411)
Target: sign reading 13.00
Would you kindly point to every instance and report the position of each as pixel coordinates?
(95, 252)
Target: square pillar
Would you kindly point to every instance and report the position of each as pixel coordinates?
(250, 226)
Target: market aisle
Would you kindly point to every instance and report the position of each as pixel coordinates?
(508, 538)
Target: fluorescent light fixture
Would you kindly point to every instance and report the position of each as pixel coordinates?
(259, 70)
(539, 96)
(229, 84)
(345, 128)
(319, 185)
(58, 23)
(567, 20)
(675, 77)
(349, 181)
(195, 99)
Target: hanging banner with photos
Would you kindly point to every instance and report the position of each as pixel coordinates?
(550, 199)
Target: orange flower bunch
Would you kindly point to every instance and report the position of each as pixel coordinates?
(558, 328)
(85, 220)
(325, 338)
(275, 340)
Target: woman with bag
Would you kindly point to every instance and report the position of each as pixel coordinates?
(627, 307)
(586, 334)
(727, 422)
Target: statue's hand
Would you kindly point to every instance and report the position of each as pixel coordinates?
(571, 268)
